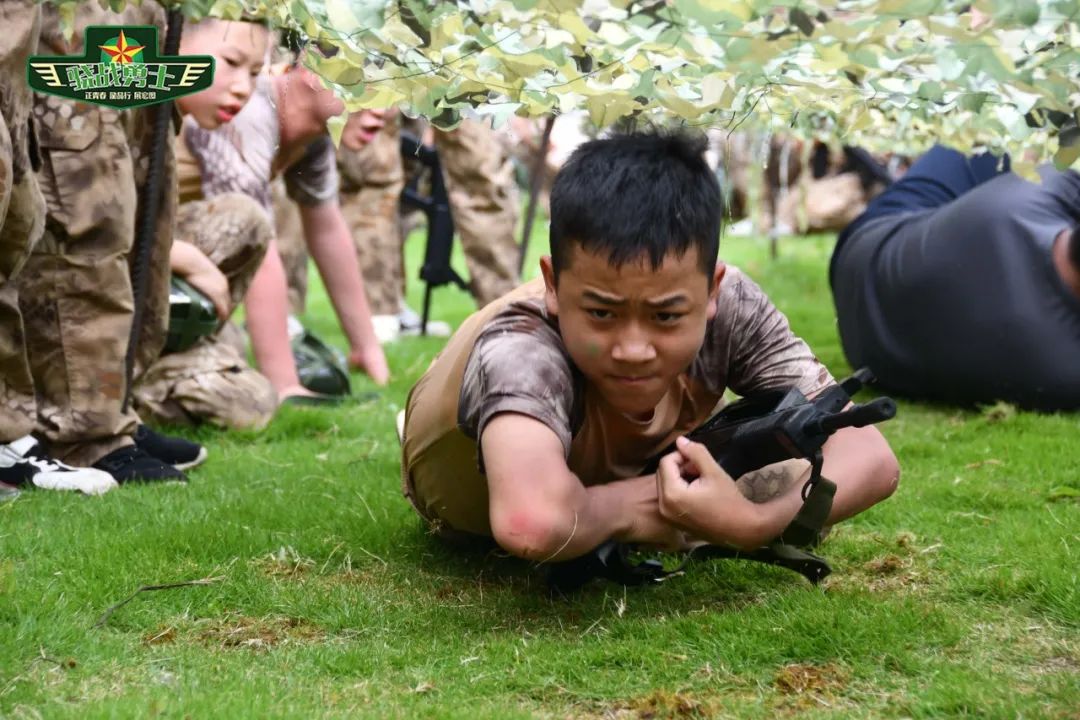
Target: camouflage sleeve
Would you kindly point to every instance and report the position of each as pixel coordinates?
(518, 366)
(313, 179)
(763, 353)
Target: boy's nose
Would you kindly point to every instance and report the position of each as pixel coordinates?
(633, 347)
(242, 87)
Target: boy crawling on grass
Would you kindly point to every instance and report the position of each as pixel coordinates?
(533, 426)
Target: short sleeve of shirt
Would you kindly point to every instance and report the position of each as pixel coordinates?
(753, 339)
(313, 179)
(518, 365)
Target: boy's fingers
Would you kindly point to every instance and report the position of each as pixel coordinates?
(697, 455)
(669, 472)
(222, 307)
(689, 469)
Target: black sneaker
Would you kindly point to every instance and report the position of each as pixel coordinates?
(180, 453)
(133, 464)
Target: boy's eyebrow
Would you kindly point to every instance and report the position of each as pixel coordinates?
(667, 302)
(602, 298)
(605, 299)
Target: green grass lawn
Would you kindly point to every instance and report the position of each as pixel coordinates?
(324, 597)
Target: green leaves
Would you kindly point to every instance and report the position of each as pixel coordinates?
(895, 74)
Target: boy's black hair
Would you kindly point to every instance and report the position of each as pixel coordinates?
(637, 195)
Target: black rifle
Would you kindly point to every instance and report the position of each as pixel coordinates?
(436, 270)
(746, 436)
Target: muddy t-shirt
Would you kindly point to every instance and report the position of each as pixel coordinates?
(509, 357)
(239, 157)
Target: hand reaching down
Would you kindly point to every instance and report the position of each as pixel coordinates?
(372, 361)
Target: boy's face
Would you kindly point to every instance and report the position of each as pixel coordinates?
(632, 330)
(239, 49)
(309, 93)
(362, 127)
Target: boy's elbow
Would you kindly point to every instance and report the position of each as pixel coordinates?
(535, 533)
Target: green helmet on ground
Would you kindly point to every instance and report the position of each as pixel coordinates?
(191, 316)
(321, 368)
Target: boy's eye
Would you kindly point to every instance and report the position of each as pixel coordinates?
(230, 62)
(598, 314)
(667, 318)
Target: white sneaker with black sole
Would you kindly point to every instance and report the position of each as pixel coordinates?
(410, 324)
(23, 463)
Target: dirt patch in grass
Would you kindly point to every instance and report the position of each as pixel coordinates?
(900, 569)
(258, 633)
(802, 686)
(660, 705)
(161, 636)
(887, 565)
(240, 631)
(806, 678)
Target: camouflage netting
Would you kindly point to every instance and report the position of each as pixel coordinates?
(886, 74)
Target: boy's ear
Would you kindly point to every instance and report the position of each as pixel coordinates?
(717, 278)
(551, 297)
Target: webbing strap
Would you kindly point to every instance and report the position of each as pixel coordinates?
(804, 530)
(813, 567)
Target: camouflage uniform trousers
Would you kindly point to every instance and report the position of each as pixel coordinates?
(371, 184)
(827, 204)
(211, 381)
(22, 213)
(75, 290)
(483, 201)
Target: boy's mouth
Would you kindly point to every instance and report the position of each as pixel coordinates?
(632, 380)
(227, 113)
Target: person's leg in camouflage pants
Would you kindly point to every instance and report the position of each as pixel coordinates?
(23, 462)
(211, 381)
(484, 203)
(371, 183)
(22, 214)
(76, 290)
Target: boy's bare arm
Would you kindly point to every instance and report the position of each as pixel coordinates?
(541, 511)
(330, 244)
(190, 263)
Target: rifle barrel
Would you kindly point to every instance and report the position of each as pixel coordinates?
(876, 410)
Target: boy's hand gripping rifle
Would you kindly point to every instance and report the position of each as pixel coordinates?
(745, 436)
